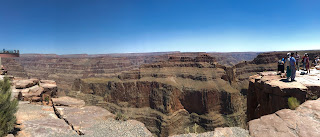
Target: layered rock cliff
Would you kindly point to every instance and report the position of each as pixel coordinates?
(173, 94)
(65, 68)
(268, 92)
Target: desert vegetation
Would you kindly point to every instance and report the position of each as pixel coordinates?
(293, 103)
(121, 117)
(8, 108)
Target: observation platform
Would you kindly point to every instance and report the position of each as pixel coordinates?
(9, 53)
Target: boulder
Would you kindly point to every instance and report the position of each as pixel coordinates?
(49, 89)
(302, 122)
(34, 91)
(68, 101)
(22, 84)
(48, 82)
(36, 99)
(10, 135)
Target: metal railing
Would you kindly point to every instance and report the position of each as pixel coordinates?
(9, 51)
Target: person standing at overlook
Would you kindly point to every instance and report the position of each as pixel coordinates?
(306, 62)
(297, 60)
(316, 60)
(287, 64)
(293, 66)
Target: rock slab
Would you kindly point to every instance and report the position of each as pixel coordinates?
(220, 132)
(68, 101)
(302, 122)
(40, 121)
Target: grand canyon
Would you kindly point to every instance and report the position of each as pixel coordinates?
(169, 93)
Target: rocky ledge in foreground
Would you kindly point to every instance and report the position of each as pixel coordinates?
(220, 132)
(69, 117)
(302, 122)
(33, 90)
(268, 92)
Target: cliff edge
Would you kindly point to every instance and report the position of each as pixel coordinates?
(268, 92)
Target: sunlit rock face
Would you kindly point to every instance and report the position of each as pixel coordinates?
(269, 93)
(66, 68)
(173, 94)
(33, 90)
(168, 92)
(70, 117)
(302, 122)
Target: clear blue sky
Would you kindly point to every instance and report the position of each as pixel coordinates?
(126, 26)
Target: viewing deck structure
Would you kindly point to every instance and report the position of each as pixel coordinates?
(8, 54)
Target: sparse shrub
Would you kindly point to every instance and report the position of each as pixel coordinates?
(187, 130)
(120, 116)
(230, 121)
(195, 126)
(46, 99)
(293, 103)
(8, 108)
(314, 97)
(194, 129)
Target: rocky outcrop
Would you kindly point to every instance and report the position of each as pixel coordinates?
(37, 120)
(302, 122)
(70, 118)
(68, 101)
(269, 93)
(219, 132)
(33, 90)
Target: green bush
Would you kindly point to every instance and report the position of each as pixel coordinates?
(121, 117)
(47, 99)
(8, 108)
(293, 103)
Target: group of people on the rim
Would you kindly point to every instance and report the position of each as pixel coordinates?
(291, 64)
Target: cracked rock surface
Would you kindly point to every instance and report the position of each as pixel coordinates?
(40, 121)
(220, 132)
(95, 121)
(73, 120)
(302, 122)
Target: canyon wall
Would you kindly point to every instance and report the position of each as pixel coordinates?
(66, 68)
(173, 94)
(168, 92)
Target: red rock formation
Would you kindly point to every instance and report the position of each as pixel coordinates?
(167, 87)
(269, 93)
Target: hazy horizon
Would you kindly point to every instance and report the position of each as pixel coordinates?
(108, 27)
